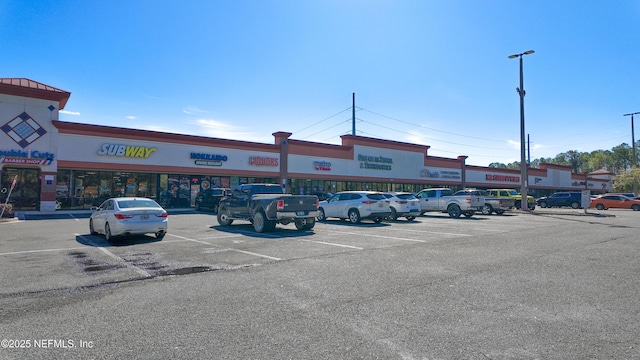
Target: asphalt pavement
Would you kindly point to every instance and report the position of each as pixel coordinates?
(553, 284)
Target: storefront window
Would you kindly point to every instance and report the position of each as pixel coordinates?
(63, 189)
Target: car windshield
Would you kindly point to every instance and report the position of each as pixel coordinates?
(513, 192)
(138, 203)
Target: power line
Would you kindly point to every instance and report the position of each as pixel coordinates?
(428, 128)
(438, 140)
(331, 127)
(316, 123)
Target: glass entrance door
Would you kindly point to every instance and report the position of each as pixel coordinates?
(26, 193)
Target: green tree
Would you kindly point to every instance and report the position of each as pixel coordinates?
(498, 165)
(624, 181)
(620, 158)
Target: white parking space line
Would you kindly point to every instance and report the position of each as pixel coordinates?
(255, 254)
(74, 218)
(334, 244)
(116, 257)
(378, 236)
(435, 232)
(188, 239)
(232, 249)
(119, 259)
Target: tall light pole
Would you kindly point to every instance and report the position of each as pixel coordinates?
(634, 162)
(524, 205)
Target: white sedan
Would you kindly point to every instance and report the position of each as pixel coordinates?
(126, 216)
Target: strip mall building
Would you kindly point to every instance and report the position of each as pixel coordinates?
(64, 165)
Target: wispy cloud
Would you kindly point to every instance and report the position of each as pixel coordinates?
(516, 145)
(69, 112)
(212, 128)
(513, 144)
(417, 137)
(223, 130)
(131, 117)
(193, 110)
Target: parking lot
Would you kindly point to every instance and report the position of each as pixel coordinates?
(552, 284)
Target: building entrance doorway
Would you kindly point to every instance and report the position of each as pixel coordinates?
(26, 193)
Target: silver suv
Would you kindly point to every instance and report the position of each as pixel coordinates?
(403, 204)
(355, 206)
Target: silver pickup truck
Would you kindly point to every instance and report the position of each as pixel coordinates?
(491, 203)
(443, 200)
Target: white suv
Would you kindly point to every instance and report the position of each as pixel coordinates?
(355, 206)
(403, 204)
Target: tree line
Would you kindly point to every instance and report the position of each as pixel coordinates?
(618, 161)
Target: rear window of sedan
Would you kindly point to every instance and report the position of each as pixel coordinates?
(376, 196)
(406, 196)
(127, 204)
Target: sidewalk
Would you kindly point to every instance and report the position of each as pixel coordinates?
(73, 214)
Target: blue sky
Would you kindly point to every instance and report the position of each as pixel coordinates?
(423, 71)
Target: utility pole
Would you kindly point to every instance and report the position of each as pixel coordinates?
(634, 161)
(528, 151)
(353, 114)
(524, 204)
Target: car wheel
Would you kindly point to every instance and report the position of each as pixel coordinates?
(311, 222)
(92, 231)
(394, 215)
(635, 207)
(599, 206)
(454, 211)
(354, 216)
(321, 216)
(532, 207)
(543, 204)
(487, 209)
(107, 232)
(575, 205)
(259, 222)
(160, 235)
(517, 204)
(411, 218)
(305, 224)
(223, 217)
(499, 212)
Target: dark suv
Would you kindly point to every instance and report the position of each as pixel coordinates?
(210, 198)
(573, 199)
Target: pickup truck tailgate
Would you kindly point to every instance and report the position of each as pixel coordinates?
(477, 201)
(300, 203)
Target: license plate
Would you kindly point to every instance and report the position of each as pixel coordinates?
(301, 213)
(380, 205)
(144, 217)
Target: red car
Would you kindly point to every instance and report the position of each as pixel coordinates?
(614, 201)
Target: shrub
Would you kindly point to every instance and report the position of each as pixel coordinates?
(8, 211)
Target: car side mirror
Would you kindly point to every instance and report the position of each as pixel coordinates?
(94, 208)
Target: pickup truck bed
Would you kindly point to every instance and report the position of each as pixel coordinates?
(264, 205)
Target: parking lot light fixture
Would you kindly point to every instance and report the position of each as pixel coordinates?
(524, 205)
